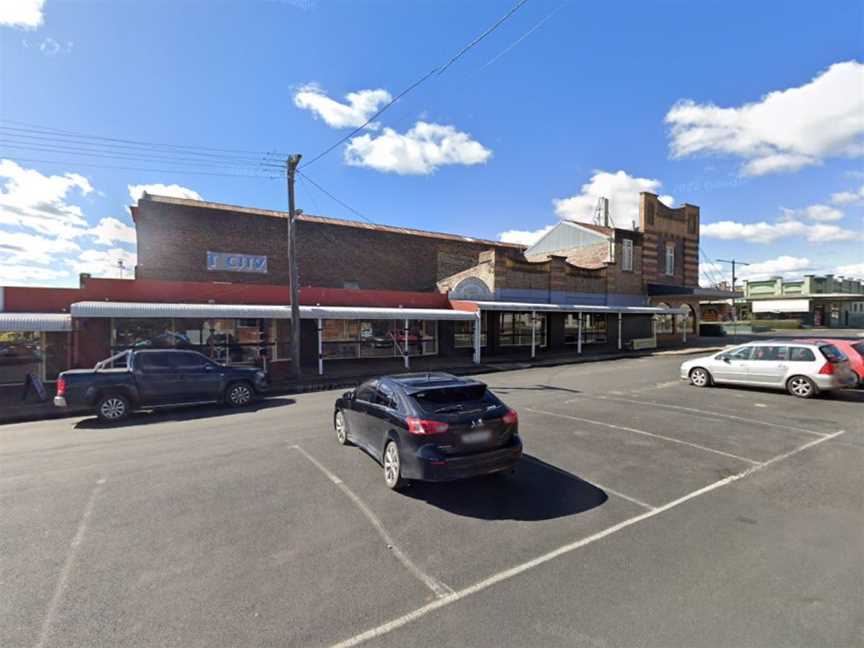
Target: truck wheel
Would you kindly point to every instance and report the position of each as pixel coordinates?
(112, 408)
(239, 394)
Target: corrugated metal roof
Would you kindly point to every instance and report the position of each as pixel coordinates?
(207, 311)
(577, 308)
(40, 322)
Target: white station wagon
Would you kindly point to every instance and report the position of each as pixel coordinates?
(801, 367)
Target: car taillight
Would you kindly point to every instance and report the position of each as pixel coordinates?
(61, 386)
(827, 369)
(424, 426)
(511, 417)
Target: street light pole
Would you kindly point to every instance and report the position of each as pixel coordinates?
(293, 274)
(734, 310)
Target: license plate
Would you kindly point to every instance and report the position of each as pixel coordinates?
(478, 436)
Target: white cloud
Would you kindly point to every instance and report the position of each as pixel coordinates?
(25, 248)
(620, 188)
(820, 213)
(419, 151)
(848, 197)
(524, 237)
(853, 270)
(32, 200)
(172, 190)
(785, 130)
(763, 232)
(111, 230)
(104, 262)
(781, 266)
(360, 107)
(12, 273)
(26, 14)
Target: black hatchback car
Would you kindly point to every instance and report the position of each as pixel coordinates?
(429, 427)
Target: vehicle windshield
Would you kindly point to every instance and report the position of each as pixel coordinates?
(454, 399)
(859, 347)
(832, 353)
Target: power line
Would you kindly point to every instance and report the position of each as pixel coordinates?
(434, 72)
(37, 128)
(331, 196)
(154, 170)
(523, 36)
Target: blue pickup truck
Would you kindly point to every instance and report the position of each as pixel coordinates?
(153, 378)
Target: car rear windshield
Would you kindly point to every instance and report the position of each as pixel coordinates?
(859, 347)
(832, 353)
(461, 398)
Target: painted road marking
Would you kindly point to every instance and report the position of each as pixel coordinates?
(694, 410)
(63, 581)
(507, 574)
(592, 482)
(438, 588)
(646, 433)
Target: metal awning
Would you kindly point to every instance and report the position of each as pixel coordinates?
(245, 311)
(577, 308)
(38, 322)
(362, 312)
(204, 311)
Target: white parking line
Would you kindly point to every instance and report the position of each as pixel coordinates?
(701, 412)
(438, 588)
(507, 574)
(646, 433)
(60, 588)
(592, 482)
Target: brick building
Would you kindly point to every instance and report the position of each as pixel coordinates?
(214, 277)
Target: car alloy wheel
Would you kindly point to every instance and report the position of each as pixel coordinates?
(341, 428)
(113, 408)
(239, 395)
(392, 467)
(699, 377)
(801, 387)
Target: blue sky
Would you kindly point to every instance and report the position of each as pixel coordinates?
(564, 102)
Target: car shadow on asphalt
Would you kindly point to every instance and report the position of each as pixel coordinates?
(182, 413)
(536, 491)
(847, 395)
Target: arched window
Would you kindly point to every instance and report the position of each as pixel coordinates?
(664, 324)
(686, 322)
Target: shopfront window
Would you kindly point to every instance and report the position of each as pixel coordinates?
(464, 333)
(346, 339)
(593, 328)
(21, 353)
(515, 329)
(229, 341)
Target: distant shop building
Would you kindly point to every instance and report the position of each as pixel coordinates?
(214, 277)
(826, 300)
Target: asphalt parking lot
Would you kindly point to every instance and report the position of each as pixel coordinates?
(645, 513)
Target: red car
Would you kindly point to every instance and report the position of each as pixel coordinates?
(855, 352)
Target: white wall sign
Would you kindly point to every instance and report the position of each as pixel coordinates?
(781, 306)
(235, 262)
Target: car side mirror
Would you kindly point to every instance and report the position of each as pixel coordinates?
(725, 358)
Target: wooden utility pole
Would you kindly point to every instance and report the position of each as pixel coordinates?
(734, 262)
(293, 274)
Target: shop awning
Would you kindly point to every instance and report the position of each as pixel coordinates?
(244, 311)
(203, 311)
(578, 308)
(37, 322)
(363, 312)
